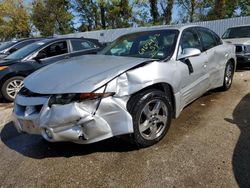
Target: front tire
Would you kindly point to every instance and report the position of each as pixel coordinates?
(151, 112)
(11, 87)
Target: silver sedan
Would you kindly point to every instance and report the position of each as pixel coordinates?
(134, 87)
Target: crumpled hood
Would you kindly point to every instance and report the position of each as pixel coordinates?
(245, 41)
(79, 74)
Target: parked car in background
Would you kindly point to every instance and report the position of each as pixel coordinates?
(6, 48)
(134, 86)
(21, 63)
(240, 37)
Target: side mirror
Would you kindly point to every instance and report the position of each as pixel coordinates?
(39, 56)
(189, 52)
(12, 50)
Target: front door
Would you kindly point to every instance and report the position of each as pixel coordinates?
(193, 84)
(53, 53)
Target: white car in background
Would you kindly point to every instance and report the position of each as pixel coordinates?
(240, 37)
(134, 86)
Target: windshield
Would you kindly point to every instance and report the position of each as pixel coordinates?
(237, 32)
(25, 51)
(158, 44)
(6, 45)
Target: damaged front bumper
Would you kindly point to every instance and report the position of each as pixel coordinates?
(78, 122)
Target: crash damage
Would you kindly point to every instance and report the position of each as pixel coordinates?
(85, 121)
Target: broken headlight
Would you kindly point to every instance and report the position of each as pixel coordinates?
(68, 98)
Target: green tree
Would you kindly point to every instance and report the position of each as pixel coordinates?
(115, 13)
(88, 12)
(218, 10)
(102, 4)
(244, 6)
(14, 20)
(167, 7)
(194, 10)
(154, 11)
(141, 13)
(221, 9)
(189, 6)
(52, 17)
(96, 14)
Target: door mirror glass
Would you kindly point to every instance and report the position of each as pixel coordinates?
(189, 52)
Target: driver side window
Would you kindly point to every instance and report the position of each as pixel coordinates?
(54, 49)
(189, 39)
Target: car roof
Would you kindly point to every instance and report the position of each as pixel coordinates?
(25, 39)
(177, 27)
(246, 25)
(161, 28)
(54, 39)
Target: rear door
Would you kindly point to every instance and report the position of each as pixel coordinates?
(82, 46)
(193, 84)
(212, 46)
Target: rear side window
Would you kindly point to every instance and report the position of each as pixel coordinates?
(55, 49)
(207, 38)
(78, 45)
(216, 37)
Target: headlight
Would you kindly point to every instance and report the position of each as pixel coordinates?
(68, 98)
(3, 67)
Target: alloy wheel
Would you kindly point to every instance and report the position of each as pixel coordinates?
(153, 119)
(14, 87)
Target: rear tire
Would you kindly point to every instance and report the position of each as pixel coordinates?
(151, 112)
(228, 76)
(11, 87)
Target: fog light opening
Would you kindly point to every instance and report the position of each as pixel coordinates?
(48, 133)
(82, 137)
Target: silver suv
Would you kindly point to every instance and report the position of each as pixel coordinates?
(240, 36)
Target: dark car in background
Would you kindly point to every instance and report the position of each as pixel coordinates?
(6, 48)
(15, 67)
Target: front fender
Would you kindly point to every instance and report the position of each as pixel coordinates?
(137, 79)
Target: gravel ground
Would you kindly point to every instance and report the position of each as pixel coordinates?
(207, 146)
(5, 113)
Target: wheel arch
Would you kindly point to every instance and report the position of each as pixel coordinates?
(233, 61)
(8, 76)
(167, 89)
